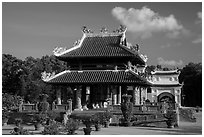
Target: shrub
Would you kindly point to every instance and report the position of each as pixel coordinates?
(87, 121)
(5, 114)
(52, 129)
(171, 115)
(10, 102)
(39, 118)
(20, 131)
(18, 121)
(71, 126)
(52, 115)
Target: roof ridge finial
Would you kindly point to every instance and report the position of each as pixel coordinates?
(104, 30)
(86, 30)
(121, 29)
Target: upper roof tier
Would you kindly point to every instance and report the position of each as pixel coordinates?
(101, 44)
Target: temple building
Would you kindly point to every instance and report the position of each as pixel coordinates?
(102, 67)
(165, 87)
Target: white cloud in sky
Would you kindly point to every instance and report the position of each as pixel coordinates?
(161, 61)
(199, 15)
(199, 20)
(197, 41)
(168, 45)
(145, 21)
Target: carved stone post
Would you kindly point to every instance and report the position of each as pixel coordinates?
(59, 101)
(78, 98)
(134, 95)
(114, 96)
(87, 94)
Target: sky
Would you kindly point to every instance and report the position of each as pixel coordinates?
(170, 34)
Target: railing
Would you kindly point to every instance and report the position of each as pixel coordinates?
(33, 107)
(28, 107)
(62, 107)
(139, 108)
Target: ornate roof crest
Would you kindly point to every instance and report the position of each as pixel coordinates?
(121, 29)
(86, 30)
(104, 30)
(59, 50)
(144, 57)
(47, 76)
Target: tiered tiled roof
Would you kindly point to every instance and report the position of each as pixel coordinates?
(98, 76)
(99, 45)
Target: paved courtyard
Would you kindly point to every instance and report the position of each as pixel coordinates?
(185, 128)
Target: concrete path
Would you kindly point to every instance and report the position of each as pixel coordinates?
(185, 128)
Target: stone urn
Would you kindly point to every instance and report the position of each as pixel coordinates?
(126, 108)
(87, 131)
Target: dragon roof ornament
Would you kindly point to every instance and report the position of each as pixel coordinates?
(103, 30)
(144, 57)
(47, 76)
(59, 50)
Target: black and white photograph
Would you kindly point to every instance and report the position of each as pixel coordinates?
(102, 68)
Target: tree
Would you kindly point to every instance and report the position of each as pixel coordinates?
(24, 77)
(191, 76)
(12, 74)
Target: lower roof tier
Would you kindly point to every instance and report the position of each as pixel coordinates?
(98, 77)
(166, 85)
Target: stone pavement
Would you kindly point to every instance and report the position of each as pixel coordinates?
(185, 128)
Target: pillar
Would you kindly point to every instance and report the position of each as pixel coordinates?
(114, 96)
(78, 98)
(87, 94)
(134, 96)
(119, 95)
(58, 94)
(140, 94)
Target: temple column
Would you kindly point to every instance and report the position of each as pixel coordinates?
(134, 95)
(119, 95)
(78, 98)
(58, 95)
(87, 94)
(140, 94)
(114, 96)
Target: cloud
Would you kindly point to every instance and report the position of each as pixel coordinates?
(168, 45)
(144, 22)
(161, 61)
(199, 20)
(197, 41)
(199, 15)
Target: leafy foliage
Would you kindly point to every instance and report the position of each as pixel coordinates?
(20, 131)
(52, 129)
(9, 103)
(24, 77)
(191, 76)
(71, 126)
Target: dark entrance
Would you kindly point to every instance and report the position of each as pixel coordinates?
(166, 97)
